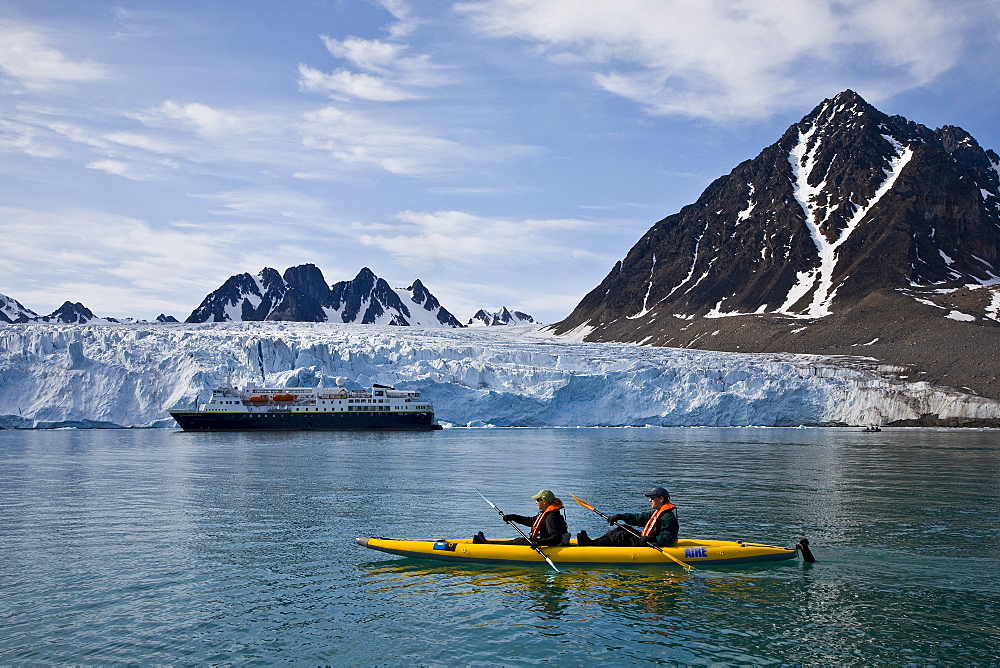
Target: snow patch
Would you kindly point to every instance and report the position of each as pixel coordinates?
(802, 158)
(578, 333)
(745, 213)
(649, 287)
(694, 262)
(993, 310)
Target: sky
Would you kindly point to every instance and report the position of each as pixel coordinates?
(504, 152)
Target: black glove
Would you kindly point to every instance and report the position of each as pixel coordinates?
(615, 518)
(507, 518)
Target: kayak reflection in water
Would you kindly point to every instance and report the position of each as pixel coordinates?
(548, 527)
(659, 525)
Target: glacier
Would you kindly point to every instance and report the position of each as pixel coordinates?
(130, 375)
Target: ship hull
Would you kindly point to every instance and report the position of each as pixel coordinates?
(291, 421)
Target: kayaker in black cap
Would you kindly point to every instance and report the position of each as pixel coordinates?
(659, 525)
(548, 527)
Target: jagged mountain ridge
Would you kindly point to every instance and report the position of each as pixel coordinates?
(301, 294)
(855, 233)
(502, 317)
(12, 311)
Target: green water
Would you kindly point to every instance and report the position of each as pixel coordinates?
(159, 547)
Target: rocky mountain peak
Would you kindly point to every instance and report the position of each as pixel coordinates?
(850, 207)
(308, 279)
(502, 317)
(11, 310)
(301, 294)
(70, 312)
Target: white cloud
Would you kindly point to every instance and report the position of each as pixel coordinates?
(17, 137)
(207, 120)
(27, 57)
(419, 238)
(287, 141)
(363, 86)
(388, 74)
(271, 204)
(732, 59)
(368, 54)
(144, 142)
(125, 267)
(78, 247)
(400, 10)
(363, 141)
(116, 167)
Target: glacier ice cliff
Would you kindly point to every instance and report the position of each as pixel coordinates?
(130, 375)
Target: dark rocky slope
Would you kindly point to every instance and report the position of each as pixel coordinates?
(856, 233)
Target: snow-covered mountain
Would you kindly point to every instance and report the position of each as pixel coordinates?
(302, 295)
(73, 313)
(502, 317)
(11, 310)
(855, 233)
(130, 375)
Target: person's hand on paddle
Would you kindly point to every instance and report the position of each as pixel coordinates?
(507, 518)
(614, 518)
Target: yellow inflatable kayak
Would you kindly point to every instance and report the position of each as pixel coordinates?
(693, 552)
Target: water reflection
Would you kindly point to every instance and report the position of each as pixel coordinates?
(637, 594)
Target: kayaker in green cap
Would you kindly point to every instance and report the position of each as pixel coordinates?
(659, 525)
(548, 527)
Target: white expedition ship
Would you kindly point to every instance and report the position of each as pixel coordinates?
(310, 408)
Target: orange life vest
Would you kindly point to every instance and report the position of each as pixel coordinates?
(536, 528)
(651, 524)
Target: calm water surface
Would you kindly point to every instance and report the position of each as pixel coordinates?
(153, 546)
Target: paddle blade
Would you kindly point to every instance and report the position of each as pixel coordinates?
(487, 500)
(584, 503)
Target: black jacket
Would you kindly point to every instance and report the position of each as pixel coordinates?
(552, 531)
(666, 529)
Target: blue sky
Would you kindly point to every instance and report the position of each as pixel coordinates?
(505, 152)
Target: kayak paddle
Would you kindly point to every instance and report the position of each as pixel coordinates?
(687, 567)
(524, 535)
